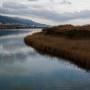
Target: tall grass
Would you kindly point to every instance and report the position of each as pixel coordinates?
(76, 50)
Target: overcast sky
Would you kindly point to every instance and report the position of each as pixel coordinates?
(48, 11)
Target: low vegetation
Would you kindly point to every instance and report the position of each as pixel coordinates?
(69, 31)
(65, 41)
(8, 26)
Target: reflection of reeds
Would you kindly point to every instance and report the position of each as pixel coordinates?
(75, 50)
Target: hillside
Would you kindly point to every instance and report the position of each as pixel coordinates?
(20, 21)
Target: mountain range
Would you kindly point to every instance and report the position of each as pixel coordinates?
(19, 21)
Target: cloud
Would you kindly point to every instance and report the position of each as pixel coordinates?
(33, 0)
(64, 16)
(65, 2)
(49, 10)
(13, 5)
(44, 13)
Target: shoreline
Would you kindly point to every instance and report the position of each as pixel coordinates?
(75, 50)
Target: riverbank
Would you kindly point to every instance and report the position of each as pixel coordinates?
(66, 41)
(8, 26)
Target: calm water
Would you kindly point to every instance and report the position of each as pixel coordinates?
(22, 68)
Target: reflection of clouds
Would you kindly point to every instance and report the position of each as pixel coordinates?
(12, 50)
(18, 59)
(22, 67)
(10, 56)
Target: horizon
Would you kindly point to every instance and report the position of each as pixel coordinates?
(52, 12)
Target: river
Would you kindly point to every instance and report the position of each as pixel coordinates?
(23, 68)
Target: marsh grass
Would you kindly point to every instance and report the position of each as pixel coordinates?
(75, 48)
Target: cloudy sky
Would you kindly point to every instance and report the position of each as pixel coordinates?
(48, 11)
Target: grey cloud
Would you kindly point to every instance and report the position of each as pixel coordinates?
(13, 5)
(63, 2)
(63, 17)
(20, 9)
(50, 15)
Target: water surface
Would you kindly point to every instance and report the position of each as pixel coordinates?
(22, 68)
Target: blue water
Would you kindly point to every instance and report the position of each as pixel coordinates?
(4, 32)
(22, 68)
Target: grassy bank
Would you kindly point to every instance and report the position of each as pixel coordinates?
(67, 41)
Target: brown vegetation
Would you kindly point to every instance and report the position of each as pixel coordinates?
(69, 31)
(67, 41)
(8, 26)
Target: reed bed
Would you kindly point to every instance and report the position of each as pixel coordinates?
(75, 49)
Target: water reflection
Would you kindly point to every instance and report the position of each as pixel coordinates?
(15, 55)
(21, 68)
(12, 31)
(13, 50)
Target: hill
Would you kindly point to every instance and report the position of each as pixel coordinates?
(19, 21)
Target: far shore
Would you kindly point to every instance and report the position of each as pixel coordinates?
(13, 26)
(65, 41)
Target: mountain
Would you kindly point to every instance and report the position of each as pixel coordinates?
(20, 21)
